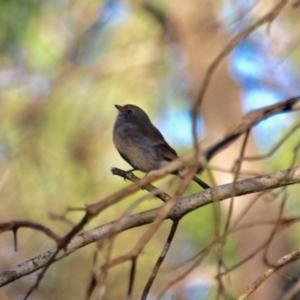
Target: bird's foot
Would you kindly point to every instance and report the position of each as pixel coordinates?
(127, 172)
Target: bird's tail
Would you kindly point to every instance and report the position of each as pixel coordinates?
(204, 185)
(201, 183)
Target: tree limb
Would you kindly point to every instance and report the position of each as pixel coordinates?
(184, 206)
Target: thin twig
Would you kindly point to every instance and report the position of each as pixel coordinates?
(160, 260)
(292, 256)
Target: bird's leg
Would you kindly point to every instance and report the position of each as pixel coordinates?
(144, 177)
(131, 170)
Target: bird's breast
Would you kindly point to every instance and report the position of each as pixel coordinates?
(137, 149)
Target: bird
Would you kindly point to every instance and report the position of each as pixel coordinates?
(141, 144)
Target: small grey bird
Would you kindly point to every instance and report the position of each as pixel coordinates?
(141, 144)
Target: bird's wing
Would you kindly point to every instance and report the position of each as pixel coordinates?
(158, 140)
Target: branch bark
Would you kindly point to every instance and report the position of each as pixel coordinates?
(183, 207)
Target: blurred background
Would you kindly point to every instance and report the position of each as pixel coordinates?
(63, 66)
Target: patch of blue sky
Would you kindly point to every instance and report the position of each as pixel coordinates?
(247, 62)
(111, 14)
(287, 71)
(199, 291)
(253, 67)
(175, 121)
(265, 77)
(177, 57)
(233, 11)
(176, 126)
(269, 130)
(253, 64)
(114, 12)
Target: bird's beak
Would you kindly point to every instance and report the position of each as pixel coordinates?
(119, 107)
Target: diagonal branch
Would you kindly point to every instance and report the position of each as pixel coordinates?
(290, 257)
(183, 207)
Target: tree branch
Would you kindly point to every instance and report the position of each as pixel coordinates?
(290, 257)
(183, 207)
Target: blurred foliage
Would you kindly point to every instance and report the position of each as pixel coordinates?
(14, 22)
(63, 66)
(62, 70)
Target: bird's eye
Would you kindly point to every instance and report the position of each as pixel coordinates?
(129, 112)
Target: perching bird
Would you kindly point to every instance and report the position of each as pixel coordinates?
(141, 144)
